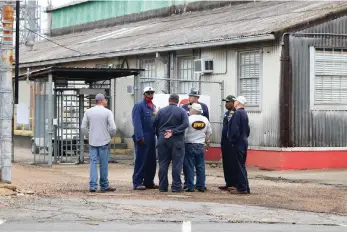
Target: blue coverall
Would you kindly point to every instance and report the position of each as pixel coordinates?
(238, 136)
(145, 161)
(204, 109)
(172, 118)
(229, 160)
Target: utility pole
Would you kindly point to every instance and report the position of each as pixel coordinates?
(6, 93)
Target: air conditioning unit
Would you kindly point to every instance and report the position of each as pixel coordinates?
(130, 89)
(204, 65)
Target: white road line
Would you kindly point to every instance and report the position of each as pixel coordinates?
(343, 225)
(2, 222)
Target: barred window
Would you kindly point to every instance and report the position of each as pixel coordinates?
(186, 72)
(249, 76)
(330, 77)
(149, 66)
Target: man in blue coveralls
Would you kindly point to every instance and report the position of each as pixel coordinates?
(238, 136)
(194, 98)
(143, 115)
(170, 125)
(229, 160)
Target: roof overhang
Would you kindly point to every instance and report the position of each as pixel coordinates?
(79, 74)
(140, 51)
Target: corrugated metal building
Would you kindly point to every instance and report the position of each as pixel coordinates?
(286, 58)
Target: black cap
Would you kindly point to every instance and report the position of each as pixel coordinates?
(174, 97)
(229, 98)
(194, 92)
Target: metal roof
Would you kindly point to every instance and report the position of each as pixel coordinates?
(252, 21)
(53, 8)
(80, 74)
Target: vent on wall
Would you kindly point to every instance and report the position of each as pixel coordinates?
(203, 65)
(130, 89)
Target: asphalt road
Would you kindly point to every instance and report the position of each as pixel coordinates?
(26, 213)
(177, 227)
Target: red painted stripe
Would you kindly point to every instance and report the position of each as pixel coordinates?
(289, 160)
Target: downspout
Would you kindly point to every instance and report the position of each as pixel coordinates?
(286, 105)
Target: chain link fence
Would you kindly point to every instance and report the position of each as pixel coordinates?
(214, 89)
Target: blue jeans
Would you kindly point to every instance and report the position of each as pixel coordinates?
(194, 159)
(99, 154)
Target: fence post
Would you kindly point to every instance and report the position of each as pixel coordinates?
(81, 114)
(222, 96)
(50, 119)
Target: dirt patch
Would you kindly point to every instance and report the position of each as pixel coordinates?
(72, 181)
(7, 189)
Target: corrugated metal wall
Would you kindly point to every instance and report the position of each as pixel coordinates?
(315, 128)
(98, 10)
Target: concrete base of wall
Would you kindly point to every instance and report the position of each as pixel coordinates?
(289, 160)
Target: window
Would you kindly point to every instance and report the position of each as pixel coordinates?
(186, 72)
(328, 77)
(149, 66)
(249, 77)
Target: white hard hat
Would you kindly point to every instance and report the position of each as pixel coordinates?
(197, 107)
(241, 99)
(148, 89)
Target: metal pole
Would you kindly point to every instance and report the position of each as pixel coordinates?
(81, 114)
(16, 80)
(6, 93)
(50, 118)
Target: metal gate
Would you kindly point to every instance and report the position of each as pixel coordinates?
(66, 123)
(41, 143)
(214, 89)
(68, 104)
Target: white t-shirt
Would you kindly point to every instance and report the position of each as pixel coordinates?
(198, 128)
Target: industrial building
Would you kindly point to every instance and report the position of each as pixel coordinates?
(289, 59)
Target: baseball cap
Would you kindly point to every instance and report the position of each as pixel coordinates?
(148, 89)
(99, 97)
(241, 99)
(197, 107)
(229, 98)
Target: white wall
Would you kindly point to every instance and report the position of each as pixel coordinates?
(264, 123)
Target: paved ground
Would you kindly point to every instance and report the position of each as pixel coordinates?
(29, 213)
(57, 199)
(144, 227)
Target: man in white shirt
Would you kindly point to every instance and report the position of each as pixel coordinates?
(197, 134)
(98, 124)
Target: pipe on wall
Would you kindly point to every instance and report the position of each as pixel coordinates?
(286, 105)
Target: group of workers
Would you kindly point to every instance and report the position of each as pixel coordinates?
(179, 135)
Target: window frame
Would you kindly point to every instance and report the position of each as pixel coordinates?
(320, 106)
(154, 70)
(251, 108)
(178, 72)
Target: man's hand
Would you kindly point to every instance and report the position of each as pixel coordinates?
(141, 141)
(168, 134)
(207, 141)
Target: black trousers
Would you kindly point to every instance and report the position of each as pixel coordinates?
(230, 164)
(241, 171)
